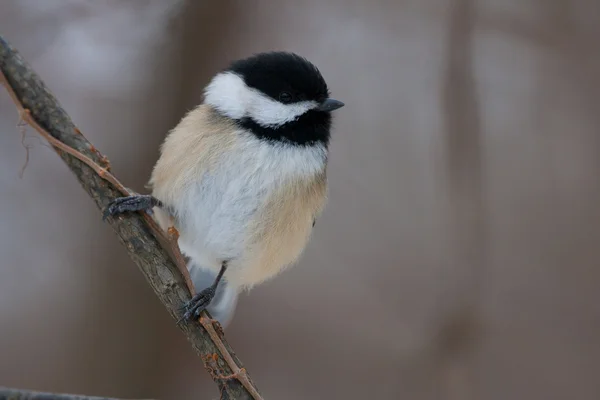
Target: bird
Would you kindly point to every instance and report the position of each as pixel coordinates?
(243, 176)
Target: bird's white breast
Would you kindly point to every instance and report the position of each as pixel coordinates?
(216, 208)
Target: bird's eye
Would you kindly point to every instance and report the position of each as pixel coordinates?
(285, 97)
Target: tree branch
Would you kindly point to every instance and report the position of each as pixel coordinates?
(39, 108)
(18, 394)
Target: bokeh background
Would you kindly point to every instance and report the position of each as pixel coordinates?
(458, 257)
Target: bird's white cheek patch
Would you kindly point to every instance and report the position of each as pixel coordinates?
(269, 113)
(230, 95)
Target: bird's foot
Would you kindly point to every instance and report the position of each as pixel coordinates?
(131, 204)
(198, 303)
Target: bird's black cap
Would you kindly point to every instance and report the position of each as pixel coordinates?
(274, 73)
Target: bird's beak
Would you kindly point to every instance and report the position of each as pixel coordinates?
(329, 105)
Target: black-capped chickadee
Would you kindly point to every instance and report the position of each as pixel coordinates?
(242, 177)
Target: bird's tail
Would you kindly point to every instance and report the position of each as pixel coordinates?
(222, 307)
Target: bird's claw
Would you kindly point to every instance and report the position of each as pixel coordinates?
(197, 304)
(130, 203)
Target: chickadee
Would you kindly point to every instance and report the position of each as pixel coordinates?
(242, 177)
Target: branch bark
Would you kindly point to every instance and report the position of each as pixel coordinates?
(18, 394)
(39, 108)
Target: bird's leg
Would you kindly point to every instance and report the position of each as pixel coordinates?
(201, 300)
(136, 202)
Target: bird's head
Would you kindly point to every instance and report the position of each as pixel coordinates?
(278, 96)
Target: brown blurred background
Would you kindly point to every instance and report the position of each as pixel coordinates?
(458, 257)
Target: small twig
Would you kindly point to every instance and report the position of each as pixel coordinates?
(25, 146)
(237, 372)
(33, 101)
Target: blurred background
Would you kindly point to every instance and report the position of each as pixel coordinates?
(458, 256)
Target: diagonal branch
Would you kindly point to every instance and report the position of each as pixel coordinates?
(38, 107)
